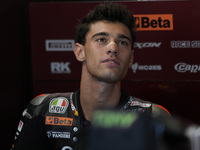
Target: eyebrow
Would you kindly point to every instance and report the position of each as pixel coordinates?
(107, 34)
(124, 37)
(99, 34)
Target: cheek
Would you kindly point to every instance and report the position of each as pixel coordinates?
(93, 53)
(91, 59)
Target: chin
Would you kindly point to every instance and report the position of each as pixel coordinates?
(110, 79)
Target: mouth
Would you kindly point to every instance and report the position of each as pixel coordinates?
(111, 61)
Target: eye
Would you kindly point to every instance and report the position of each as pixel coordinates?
(101, 40)
(123, 43)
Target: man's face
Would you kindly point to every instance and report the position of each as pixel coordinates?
(108, 53)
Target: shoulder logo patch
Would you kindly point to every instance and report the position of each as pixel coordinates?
(58, 105)
(136, 103)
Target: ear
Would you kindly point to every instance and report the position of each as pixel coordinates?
(131, 59)
(79, 52)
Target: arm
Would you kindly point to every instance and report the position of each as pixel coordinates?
(29, 134)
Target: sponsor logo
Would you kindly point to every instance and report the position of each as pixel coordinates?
(60, 121)
(26, 114)
(154, 22)
(141, 45)
(13, 146)
(54, 134)
(59, 45)
(136, 67)
(20, 126)
(58, 105)
(183, 67)
(66, 148)
(75, 112)
(136, 103)
(60, 68)
(195, 44)
(185, 44)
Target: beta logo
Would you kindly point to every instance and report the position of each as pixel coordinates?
(60, 121)
(58, 105)
(154, 22)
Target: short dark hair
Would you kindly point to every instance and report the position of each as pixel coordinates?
(112, 12)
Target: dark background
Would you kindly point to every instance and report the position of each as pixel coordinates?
(15, 65)
(16, 80)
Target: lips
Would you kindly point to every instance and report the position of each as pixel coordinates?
(111, 61)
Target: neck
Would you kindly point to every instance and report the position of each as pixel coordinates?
(96, 94)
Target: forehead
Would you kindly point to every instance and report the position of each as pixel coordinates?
(113, 28)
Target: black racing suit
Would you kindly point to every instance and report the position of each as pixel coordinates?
(55, 121)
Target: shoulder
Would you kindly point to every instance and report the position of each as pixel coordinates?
(38, 99)
(157, 110)
(137, 104)
(42, 98)
(160, 111)
(41, 103)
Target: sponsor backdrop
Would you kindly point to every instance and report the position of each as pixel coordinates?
(166, 68)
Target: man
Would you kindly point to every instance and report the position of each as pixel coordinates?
(105, 39)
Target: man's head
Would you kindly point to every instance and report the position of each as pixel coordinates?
(111, 12)
(104, 44)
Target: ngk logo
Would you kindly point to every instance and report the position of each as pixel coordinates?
(154, 22)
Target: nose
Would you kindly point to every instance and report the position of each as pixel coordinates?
(112, 48)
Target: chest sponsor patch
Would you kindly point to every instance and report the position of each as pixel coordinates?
(60, 121)
(56, 134)
(58, 105)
